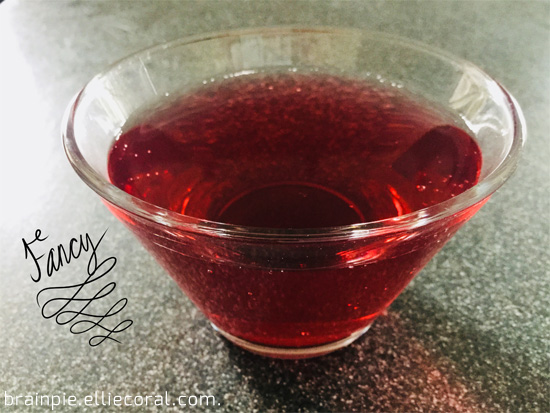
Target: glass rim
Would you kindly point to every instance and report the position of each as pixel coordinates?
(145, 210)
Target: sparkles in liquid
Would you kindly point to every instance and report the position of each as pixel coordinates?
(294, 151)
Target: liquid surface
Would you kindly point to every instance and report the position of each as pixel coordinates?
(294, 151)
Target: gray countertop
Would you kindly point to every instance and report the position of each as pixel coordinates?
(471, 333)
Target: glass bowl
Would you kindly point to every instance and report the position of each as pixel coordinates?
(291, 292)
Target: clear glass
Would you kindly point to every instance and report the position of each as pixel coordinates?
(287, 293)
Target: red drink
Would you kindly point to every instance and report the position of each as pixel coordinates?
(295, 151)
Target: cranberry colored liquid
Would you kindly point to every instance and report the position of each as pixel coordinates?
(295, 151)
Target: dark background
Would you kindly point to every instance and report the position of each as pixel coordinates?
(471, 333)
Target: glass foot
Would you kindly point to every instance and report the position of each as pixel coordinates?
(289, 352)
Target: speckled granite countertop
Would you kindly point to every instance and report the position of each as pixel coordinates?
(471, 333)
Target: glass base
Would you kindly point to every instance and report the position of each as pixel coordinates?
(290, 352)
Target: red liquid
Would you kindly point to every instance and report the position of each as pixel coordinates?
(295, 151)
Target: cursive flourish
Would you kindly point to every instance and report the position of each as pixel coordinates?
(77, 303)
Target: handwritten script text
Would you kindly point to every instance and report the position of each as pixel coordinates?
(81, 304)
